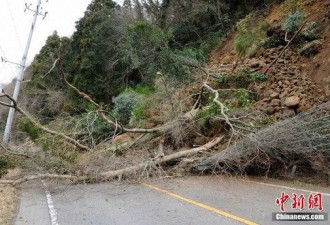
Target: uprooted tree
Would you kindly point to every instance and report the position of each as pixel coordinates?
(302, 141)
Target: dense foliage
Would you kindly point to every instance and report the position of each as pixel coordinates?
(116, 48)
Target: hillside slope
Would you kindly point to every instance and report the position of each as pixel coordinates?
(305, 78)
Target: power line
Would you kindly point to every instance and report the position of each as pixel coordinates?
(4, 54)
(14, 25)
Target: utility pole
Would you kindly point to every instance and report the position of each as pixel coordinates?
(20, 76)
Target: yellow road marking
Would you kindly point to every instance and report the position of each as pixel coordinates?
(217, 211)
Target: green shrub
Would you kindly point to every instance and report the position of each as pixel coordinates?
(243, 78)
(312, 31)
(293, 21)
(124, 106)
(258, 77)
(212, 41)
(30, 128)
(248, 35)
(243, 98)
(242, 42)
(213, 110)
(139, 114)
(223, 79)
(5, 164)
(59, 149)
(273, 41)
(94, 125)
(144, 90)
(193, 53)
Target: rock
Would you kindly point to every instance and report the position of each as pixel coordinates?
(273, 86)
(251, 52)
(292, 101)
(277, 108)
(310, 48)
(286, 82)
(272, 71)
(302, 95)
(274, 95)
(270, 110)
(288, 113)
(275, 102)
(254, 63)
(304, 107)
(291, 73)
(272, 79)
(284, 94)
(265, 100)
(287, 58)
(295, 82)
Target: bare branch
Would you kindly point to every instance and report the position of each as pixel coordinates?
(51, 69)
(43, 176)
(118, 173)
(7, 149)
(47, 130)
(216, 101)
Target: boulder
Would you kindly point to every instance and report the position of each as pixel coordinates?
(292, 101)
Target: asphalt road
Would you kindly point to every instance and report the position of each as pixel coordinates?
(191, 200)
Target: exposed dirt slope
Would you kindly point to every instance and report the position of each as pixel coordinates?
(295, 83)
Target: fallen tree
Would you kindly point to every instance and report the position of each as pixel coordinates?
(109, 175)
(303, 140)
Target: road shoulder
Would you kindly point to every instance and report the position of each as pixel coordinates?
(8, 204)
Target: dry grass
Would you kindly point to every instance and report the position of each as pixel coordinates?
(8, 204)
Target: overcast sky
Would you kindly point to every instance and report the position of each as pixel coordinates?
(15, 25)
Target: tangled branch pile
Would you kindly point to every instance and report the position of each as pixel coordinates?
(302, 141)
